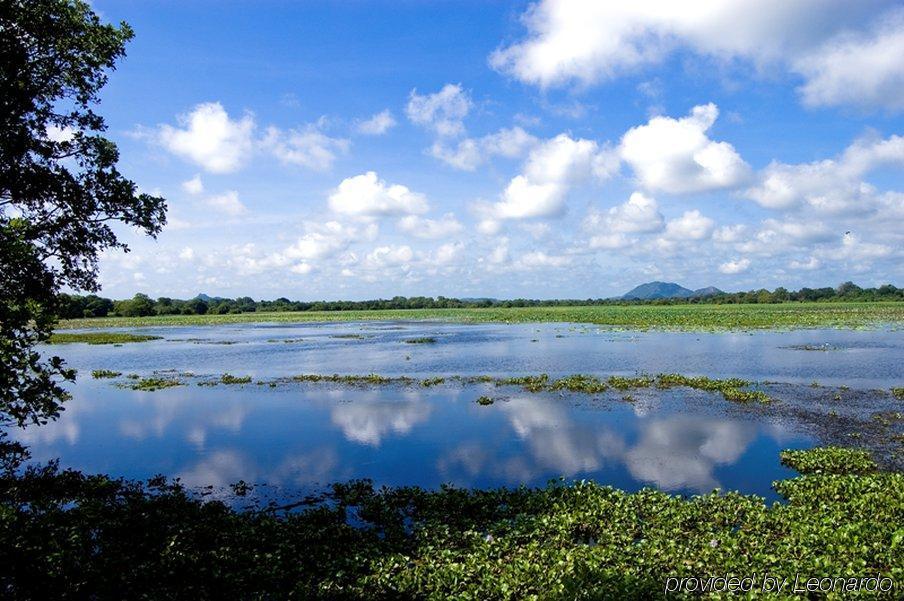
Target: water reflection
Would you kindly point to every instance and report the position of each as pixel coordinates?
(680, 452)
(302, 437)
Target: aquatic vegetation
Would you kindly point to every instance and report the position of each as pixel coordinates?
(529, 383)
(579, 383)
(484, 400)
(152, 384)
(668, 317)
(421, 340)
(98, 338)
(830, 460)
(581, 540)
(898, 393)
(731, 388)
(230, 379)
(99, 374)
(349, 336)
(370, 379)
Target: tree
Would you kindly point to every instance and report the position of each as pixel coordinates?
(60, 189)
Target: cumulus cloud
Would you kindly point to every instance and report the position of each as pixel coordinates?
(692, 225)
(735, 266)
(470, 153)
(639, 214)
(305, 147)
(194, 185)
(857, 69)
(378, 124)
(831, 185)
(228, 203)
(539, 259)
(550, 171)
(822, 40)
(443, 111)
(366, 195)
(389, 256)
(208, 137)
(677, 156)
(420, 227)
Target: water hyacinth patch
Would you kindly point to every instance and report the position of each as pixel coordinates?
(564, 541)
(830, 460)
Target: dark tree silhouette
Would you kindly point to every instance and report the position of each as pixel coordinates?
(59, 186)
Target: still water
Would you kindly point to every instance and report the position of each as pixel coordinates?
(295, 438)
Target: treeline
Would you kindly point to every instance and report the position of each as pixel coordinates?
(74, 306)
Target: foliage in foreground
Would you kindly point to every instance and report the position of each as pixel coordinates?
(63, 533)
(60, 189)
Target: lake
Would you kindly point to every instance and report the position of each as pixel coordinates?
(294, 438)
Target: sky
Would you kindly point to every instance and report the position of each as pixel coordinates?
(555, 149)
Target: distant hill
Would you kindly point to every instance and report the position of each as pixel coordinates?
(653, 290)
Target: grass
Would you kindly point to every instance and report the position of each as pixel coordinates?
(99, 374)
(67, 535)
(98, 338)
(230, 379)
(670, 317)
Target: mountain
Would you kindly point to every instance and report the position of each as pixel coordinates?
(652, 290)
(708, 291)
(207, 299)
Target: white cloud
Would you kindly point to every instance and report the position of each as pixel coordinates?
(735, 266)
(609, 241)
(387, 256)
(808, 265)
(377, 125)
(690, 226)
(228, 203)
(587, 42)
(187, 253)
(857, 69)
(830, 185)
(640, 214)
(420, 227)
(194, 185)
(210, 138)
(728, 234)
(306, 147)
(676, 155)
(539, 259)
(470, 153)
(442, 111)
(366, 195)
(551, 169)
(60, 134)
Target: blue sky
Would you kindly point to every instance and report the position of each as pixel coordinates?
(552, 149)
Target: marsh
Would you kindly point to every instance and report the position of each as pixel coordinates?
(238, 414)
